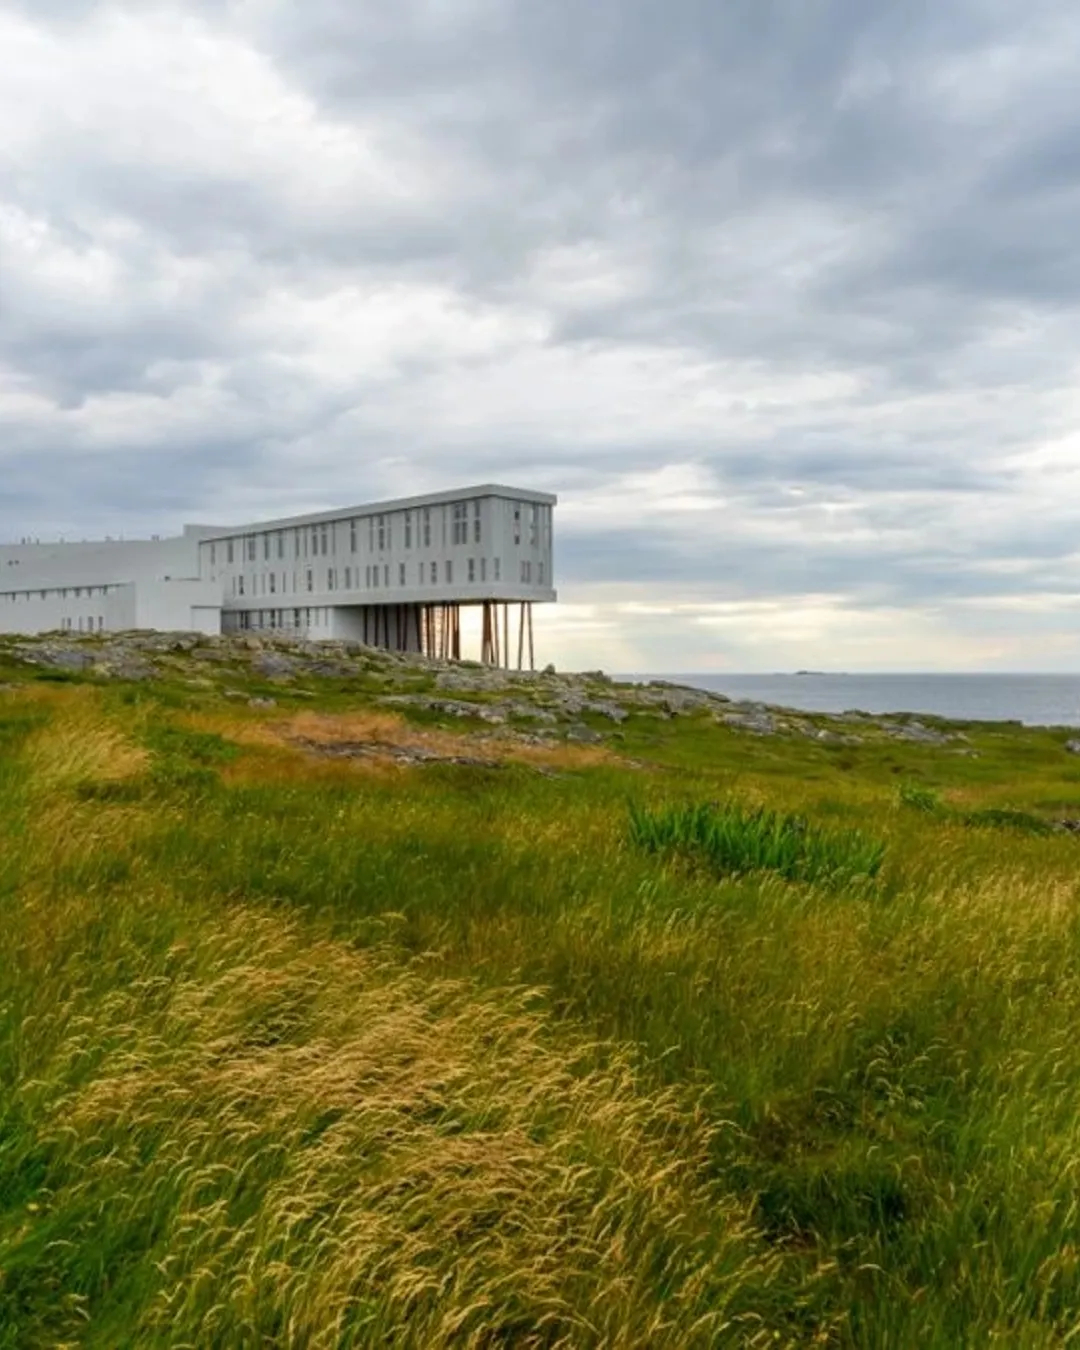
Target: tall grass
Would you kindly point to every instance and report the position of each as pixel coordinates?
(297, 1053)
(731, 838)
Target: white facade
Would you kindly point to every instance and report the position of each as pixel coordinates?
(365, 573)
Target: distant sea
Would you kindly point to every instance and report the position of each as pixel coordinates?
(1036, 700)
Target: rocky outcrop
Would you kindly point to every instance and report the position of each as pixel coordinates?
(584, 707)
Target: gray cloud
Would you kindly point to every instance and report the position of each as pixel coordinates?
(815, 264)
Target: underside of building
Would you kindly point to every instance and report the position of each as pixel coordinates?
(396, 575)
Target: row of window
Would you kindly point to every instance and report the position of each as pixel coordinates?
(314, 541)
(76, 592)
(288, 620)
(376, 576)
(83, 625)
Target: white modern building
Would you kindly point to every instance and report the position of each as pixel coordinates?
(393, 574)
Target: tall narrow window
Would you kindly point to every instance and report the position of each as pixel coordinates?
(460, 533)
(434, 573)
(517, 523)
(408, 529)
(498, 569)
(427, 526)
(449, 571)
(352, 536)
(472, 569)
(534, 537)
(213, 555)
(483, 569)
(382, 534)
(281, 544)
(266, 548)
(325, 540)
(476, 522)
(310, 579)
(229, 550)
(386, 574)
(420, 574)
(401, 574)
(371, 534)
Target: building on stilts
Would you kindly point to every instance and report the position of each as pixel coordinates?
(392, 574)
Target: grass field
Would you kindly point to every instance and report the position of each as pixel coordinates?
(691, 1038)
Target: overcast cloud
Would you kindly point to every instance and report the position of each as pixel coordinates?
(781, 297)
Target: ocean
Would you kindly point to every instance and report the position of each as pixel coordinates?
(1036, 700)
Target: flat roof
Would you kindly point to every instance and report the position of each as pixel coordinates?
(209, 532)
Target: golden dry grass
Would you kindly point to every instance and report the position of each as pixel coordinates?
(299, 735)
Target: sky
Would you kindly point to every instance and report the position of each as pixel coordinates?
(781, 297)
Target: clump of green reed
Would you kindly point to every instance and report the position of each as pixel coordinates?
(732, 838)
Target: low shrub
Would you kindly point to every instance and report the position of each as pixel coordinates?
(1004, 818)
(917, 798)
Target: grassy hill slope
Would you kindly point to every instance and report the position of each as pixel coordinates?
(350, 1001)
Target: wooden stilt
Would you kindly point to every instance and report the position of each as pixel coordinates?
(532, 649)
(521, 638)
(506, 635)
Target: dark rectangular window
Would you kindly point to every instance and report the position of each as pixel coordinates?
(472, 569)
(401, 574)
(408, 529)
(460, 534)
(229, 550)
(476, 522)
(427, 526)
(352, 536)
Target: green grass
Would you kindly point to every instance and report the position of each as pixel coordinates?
(296, 1052)
(735, 839)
